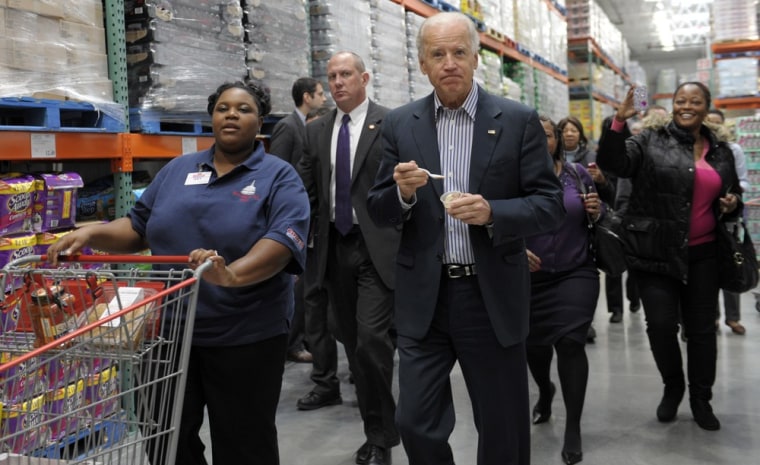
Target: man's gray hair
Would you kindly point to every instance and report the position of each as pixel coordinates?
(449, 17)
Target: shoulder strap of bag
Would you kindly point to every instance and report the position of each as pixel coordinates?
(581, 188)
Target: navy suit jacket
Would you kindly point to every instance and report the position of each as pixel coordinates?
(287, 138)
(511, 168)
(315, 168)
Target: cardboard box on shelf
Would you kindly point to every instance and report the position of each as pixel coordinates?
(52, 8)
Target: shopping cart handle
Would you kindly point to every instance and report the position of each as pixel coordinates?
(183, 259)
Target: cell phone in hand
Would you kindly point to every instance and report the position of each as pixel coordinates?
(592, 165)
(640, 98)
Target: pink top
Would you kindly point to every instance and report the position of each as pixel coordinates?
(707, 184)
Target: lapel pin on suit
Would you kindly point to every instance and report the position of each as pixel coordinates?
(371, 126)
(491, 132)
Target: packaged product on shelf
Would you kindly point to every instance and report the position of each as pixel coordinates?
(15, 246)
(48, 238)
(55, 201)
(16, 191)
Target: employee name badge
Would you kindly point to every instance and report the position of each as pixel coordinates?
(198, 177)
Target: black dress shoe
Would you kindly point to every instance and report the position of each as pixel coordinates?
(635, 307)
(543, 409)
(377, 455)
(362, 454)
(703, 414)
(668, 408)
(314, 400)
(300, 356)
(571, 457)
(616, 317)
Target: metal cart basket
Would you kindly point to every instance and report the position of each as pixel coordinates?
(93, 360)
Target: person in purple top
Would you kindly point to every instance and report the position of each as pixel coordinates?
(248, 212)
(564, 290)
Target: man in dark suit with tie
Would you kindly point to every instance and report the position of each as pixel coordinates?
(354, 255)
(286, 142)
(462, 279)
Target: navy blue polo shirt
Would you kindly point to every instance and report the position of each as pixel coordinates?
(262, 198)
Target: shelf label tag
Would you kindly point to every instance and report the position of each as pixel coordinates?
(43, 146)
(189, 145)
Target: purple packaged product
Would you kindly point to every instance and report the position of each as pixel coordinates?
(16, 196)
(21, 427)
(61, 406)
(13, 247)
(61, 372)
(19, 382)
(55, 204)
(9, 316)
(101, 393)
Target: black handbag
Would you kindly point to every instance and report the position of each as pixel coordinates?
(737, 259)
(605, 244)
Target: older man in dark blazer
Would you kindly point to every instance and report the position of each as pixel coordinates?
(462, 279)
(355, 256)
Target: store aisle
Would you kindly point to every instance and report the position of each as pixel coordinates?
(619, 424)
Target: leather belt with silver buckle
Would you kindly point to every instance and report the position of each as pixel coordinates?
(459, 271)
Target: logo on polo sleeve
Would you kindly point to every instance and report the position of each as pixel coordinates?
(295, 238)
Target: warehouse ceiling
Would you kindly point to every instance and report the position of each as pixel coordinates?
(662, 30)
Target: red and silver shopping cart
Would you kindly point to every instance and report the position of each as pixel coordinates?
(93, 361)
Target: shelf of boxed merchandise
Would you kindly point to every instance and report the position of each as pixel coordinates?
(587, 95)
(580, 48)
(504, 46)
(39, 142)
(739, 49)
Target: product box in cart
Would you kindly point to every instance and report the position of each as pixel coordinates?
(101, 393)
(61, 371)
(21, 426)
(20, 382)
(61, 406)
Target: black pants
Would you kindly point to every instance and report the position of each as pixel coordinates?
(613, 288)
(240, 387)
(317, 331)
(662, 296)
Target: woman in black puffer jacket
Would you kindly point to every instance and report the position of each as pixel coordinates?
(683, 179)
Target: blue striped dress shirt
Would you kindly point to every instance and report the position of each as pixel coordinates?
(455, 129)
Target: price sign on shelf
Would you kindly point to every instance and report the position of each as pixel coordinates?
(189, 145)
(43, 146)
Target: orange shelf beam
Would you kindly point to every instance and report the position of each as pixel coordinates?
(59, 146)
(163, 146)
(737, 103)
(417, 6)
(736, 47)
